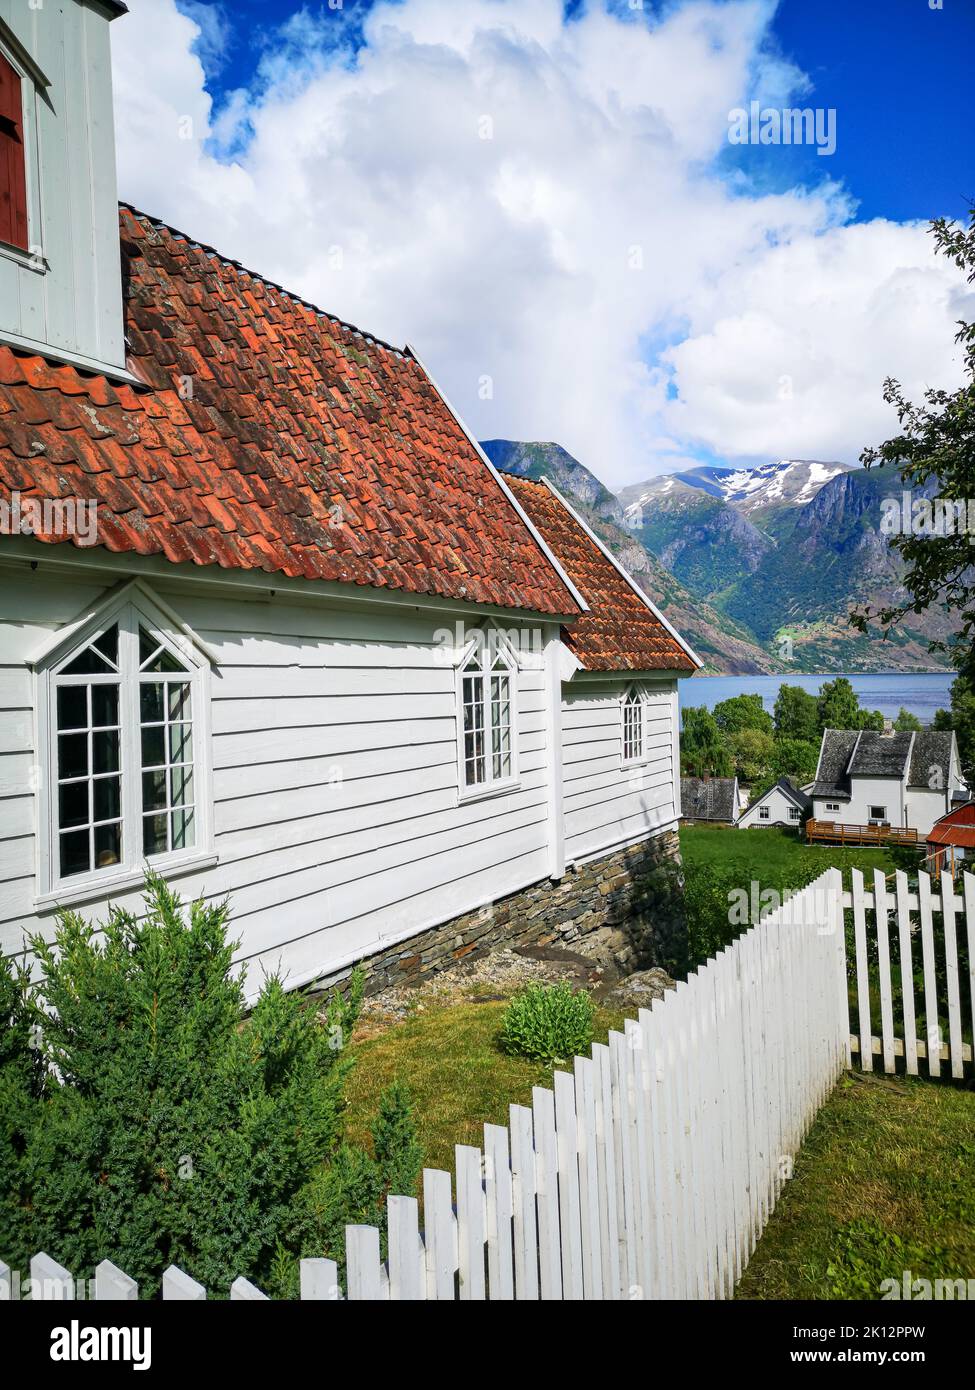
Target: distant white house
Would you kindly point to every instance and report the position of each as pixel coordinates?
(782, 804)
(902, 780)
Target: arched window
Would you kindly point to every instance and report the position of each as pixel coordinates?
(124, 712)
(632, 725)
(487, 688)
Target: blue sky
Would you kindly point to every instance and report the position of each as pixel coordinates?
(897, 72)
(546, 203)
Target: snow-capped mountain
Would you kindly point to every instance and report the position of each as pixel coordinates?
(786, 482)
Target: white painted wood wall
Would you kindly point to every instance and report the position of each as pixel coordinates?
(648, 1171)
(335, 782)
(607, 804)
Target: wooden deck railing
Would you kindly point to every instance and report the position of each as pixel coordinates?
(834, 833)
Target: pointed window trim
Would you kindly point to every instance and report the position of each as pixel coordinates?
(487, 717)
(633, 713)
(97, 773)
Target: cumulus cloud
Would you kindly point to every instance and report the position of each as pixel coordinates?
(534, 203)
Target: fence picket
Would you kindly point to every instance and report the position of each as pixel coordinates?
(610, 1235)
(968, 882)
(406, 1256)
(243, 1291)
(523, 1184)
(883, 969)
(907, 972)
(364, 1268)
(863, 978)
(592, 1255)
(567, 1148)
(470, 1223)
(497, 1187)
(180, 1288)
(319, 1280)
(439, 1234)
(49, 1281)
(547, 1194)
(951, 972)
(932, 1027)
(112, 1285)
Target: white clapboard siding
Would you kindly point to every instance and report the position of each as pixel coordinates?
(605, 802)
(333, 736)
(934, 927)
(648, 1171)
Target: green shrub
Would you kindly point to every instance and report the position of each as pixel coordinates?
(163, 1123)
(548, 1023)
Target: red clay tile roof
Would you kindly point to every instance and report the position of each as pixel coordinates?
(956, 828)
(619, 633)
(305, 448)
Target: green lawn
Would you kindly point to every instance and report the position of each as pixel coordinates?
(773, 854)
(883, 1183)
(457, 1075)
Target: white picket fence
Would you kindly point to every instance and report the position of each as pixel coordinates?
(648, 1171)
(898, 933)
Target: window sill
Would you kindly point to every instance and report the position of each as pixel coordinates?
(74, 895)
(486, 790)
(30, 260)
(628, 764)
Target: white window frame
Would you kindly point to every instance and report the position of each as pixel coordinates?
(765, 813)
(794, 813)
(834, 807)
(634, 697)
(479, 658)
(877, 819)
(130, 609)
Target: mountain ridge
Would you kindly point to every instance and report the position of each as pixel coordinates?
(759, 568)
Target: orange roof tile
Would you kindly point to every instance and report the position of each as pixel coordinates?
(620, 632)
(270, 436)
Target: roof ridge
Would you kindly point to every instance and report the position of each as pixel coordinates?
(371, 338)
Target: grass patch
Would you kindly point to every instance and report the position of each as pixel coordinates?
(457, 1075)
(773, 855)
(883, 1183)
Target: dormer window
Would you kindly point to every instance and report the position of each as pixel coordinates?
(13, 158)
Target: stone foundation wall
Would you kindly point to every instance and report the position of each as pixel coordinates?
(631, 890)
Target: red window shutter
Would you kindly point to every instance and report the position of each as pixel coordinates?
(13, 166)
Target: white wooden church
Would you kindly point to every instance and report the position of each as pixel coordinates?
(270, 622)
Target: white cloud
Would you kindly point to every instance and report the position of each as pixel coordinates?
(518, 257)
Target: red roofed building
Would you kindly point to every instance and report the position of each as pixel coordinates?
(951, 840)
(269, 619)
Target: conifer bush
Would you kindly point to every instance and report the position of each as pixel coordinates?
(147, 1117)
(548, 1023)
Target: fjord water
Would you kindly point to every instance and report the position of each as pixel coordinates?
(920, 692)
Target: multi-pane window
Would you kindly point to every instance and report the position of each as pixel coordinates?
(486, 718)
(123, 707)
(166, 743)
(764, 813)
(632, 726)
(794, 813)
(89, 763)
